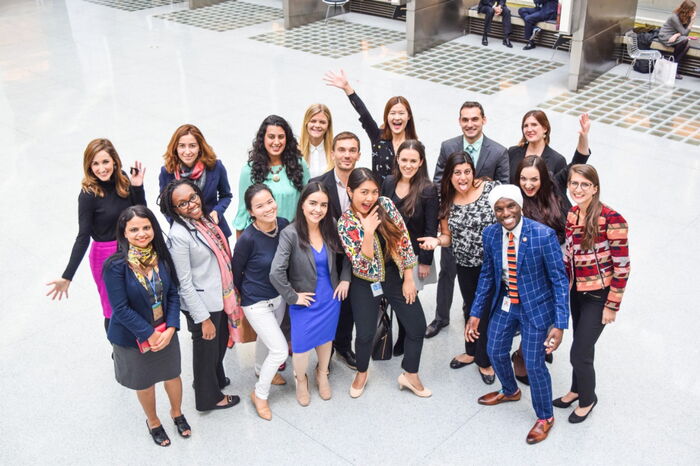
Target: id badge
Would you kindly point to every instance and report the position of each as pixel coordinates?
(505, 307)
(157, 311)
(377, 289)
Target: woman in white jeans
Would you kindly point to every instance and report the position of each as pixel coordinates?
(262, 304)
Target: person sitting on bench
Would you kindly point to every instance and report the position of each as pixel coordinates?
(493, 8)
(545, 10)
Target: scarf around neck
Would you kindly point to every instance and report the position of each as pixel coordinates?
(197, 174)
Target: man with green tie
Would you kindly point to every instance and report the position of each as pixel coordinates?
(490, 160)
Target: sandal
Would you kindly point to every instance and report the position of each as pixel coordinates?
(159, 435)
(231, 400)
(182, 426)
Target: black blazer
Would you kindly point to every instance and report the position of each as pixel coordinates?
(423, 222)
(554, 160)
(328, 180)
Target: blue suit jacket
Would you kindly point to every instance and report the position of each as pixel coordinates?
(132, 315)
(217, 192)
(542, 282)
(548, 6)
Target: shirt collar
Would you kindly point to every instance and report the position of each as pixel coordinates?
(476, 145)
(338, 180)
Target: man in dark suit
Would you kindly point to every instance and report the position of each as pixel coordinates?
(345, 153)
(493, 8)
(523, 285)
(491, 160)
(545, 10)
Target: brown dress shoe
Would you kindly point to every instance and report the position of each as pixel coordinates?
(278, 380)
(494, 398)
(540, 431)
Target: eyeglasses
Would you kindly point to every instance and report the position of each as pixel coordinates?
(584, 185)
(185, 204)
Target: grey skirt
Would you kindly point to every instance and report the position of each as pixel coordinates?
(140, 371)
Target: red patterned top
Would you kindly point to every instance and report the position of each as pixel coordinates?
(608, 264)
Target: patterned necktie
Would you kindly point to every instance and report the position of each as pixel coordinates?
(512, 276)
(470, 149)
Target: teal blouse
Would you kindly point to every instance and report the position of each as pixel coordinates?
(286, 195)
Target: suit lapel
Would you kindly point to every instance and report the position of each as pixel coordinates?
(524, 242)
(498, 253)
(483, 155)
(333, 192)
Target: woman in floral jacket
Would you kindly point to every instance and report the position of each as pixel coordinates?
(376, 241)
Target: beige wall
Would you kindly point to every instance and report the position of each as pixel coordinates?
(667, 5)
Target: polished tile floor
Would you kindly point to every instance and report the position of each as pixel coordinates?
(134, 5)
(225, 16)
(71, 71)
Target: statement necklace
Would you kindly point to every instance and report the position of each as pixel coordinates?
(275, 174)
(273, 234)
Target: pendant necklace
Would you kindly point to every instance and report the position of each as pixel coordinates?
(275, 174)
(272, 234)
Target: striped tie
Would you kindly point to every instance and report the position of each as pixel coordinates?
(512, 276)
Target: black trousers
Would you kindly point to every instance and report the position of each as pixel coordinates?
(587, 315)
(343, 333)
(445, 286)
(365, 308)
(680, 50)
(468, 278)
(208, 361)
(489, 12)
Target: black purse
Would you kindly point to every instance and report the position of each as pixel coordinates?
(382, 344)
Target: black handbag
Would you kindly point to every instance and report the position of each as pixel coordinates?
(382, 345)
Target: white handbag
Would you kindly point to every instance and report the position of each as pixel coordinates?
(665, 71)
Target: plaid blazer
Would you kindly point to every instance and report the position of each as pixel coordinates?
(543, 285)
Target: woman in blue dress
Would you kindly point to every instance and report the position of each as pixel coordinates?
(306, 274)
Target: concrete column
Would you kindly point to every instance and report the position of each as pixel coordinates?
(596, 25)
(433, 22)
(300, 12)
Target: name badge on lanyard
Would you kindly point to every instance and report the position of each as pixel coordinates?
(505, 307)
(157, 307)
(376, 289)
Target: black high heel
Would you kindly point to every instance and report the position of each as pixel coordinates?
(159, 435)
(576, 419)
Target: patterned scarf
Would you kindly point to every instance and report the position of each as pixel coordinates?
(140, 259)
(218, 243)
(196, 174)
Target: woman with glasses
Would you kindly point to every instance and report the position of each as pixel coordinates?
(597, 261)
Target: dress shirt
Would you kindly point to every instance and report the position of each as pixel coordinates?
(504, 249)
(342, 193)
(476, 146)
(317, 160)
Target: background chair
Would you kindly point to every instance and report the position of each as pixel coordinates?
(636, 54)
(334, 4)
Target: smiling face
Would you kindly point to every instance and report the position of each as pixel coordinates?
(409, 161)
(532, 130)
(315, 207)
(317, 126)
(472, 123)
(581, 189)
(188, 150)
(364, 197)
(508, 213)
(263, 207)
(275, 140)
(530, 181)
(345, 154)
(397, 118)
(139, 232)
(462, 177)
(102, 166)
(187, 203)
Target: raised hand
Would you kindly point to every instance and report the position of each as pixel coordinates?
(137, 179)
(371, 221)
(338, 80)
(585, 123)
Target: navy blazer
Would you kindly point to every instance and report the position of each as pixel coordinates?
(548, 6)
(132, 315)
(217, 192)
(542, 282)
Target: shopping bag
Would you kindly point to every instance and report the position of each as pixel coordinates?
(665, 71)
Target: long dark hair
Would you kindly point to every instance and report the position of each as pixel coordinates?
(447, 191)
(410, 125)
(591, 227)
(329, 230)
(420, 180)
(545, 205)
(165, 200)
(158, 241)
(387, 228)
(259, 160)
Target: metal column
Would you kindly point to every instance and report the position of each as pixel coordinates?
(433, 22)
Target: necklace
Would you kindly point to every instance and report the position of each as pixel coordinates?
(275, 174)
(271, 235)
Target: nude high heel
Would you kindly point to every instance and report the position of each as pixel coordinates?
(324, 387)
(262, 407)
(404, 383)
(302, 390)
(357, 392)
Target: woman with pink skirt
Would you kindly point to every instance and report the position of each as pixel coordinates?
(106, 192)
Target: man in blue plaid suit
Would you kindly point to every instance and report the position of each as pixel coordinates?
(523, 284)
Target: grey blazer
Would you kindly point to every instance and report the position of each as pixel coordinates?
(198, 271)
(294, 268)
(492, 161)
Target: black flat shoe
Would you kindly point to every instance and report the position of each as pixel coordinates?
(529, 46)
(524, 379)
(159, 435)
(348, 357)
(457, 364)
(434, 328)
(488, 379)
(231, 400)
(182, 426)
(227, 382)
(484, 41)
(507, 43)
(558, 403)
(576, 419)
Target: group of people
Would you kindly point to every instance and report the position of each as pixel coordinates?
(322, 245)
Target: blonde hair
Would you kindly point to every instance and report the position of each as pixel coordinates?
(90, 183)
(304, 143)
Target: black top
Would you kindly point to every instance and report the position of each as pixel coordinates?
(97, 219)
(382, 149)
(423, 222)
(252, 258)
(554, 160)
